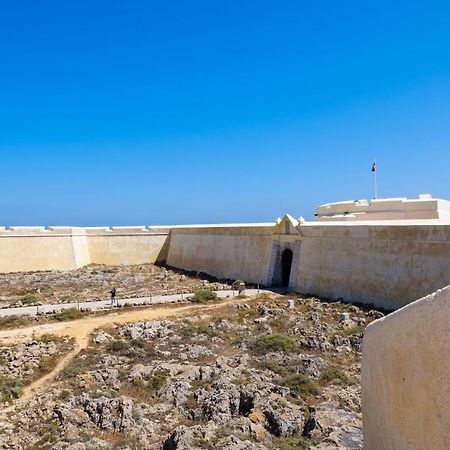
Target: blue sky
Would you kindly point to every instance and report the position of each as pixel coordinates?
(143, 112)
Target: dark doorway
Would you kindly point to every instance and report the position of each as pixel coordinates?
(286, 263)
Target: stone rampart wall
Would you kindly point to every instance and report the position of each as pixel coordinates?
(235, 252)
(405, 377)
(388, 265)
(25, 249)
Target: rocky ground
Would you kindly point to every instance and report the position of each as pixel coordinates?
(94, 283)
(254, 375)
(23, 363)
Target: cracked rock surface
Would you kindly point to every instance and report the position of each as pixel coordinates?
(253, 375)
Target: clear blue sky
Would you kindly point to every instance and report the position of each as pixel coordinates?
(144, 112)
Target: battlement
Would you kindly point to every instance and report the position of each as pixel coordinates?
(62, 231)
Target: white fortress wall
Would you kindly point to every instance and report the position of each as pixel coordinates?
(127, 245)
(24, 249)
(37, 248)
(224, 251)
(387, 264)
(405, 377)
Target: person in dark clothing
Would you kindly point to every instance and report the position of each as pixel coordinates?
(113, 296)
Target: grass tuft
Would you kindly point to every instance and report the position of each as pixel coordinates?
(301, 385)
(273, 343)
(28, 299)
(203, 296)
(335, 375)
(10, 390)
(14, 321)
(68, 314)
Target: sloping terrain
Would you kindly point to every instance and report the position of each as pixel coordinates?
(250, 374)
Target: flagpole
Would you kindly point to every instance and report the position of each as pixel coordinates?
(375, 177)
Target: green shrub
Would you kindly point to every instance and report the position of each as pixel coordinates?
(274, 367)
(296, 443)
(156, 380)
(273, 343)
(72, 372)
(336, 375)
(236, 284)
(191, 402)
(300, 384)
(10, 390)
(203, 296)
(28, 299)
(47, 364)
(246, 314)
(46, 338)
(14, 321)
(117, 345)
(191, 329)
(68, 314)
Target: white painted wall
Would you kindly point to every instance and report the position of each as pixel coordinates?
(387, 265)
(224, 252)
(406, 377)
(25, 249)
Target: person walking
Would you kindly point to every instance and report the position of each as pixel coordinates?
(113, 296)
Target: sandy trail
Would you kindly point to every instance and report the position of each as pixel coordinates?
(81, 330)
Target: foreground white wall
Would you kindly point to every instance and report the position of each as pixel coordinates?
(406, 377)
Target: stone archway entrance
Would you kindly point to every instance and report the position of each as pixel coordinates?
(286, 265)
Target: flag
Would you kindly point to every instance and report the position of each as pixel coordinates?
(374, 168)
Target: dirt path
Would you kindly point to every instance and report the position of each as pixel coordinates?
(81, 330)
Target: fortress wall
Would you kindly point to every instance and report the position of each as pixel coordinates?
(233, 252)
(405, 373)
(127, 245)
(36, 248)
(80, 248)
(24, 249)
(388, 265)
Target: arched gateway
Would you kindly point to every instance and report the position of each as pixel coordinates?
(286, 265)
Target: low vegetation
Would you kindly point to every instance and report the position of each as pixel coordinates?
(14, 321)
(68, 314)
(10, 389)
(336, 375)
(296, 443)
(28, 299)
(191, 330)
(273, 343)
(156, 380)
(72, 372)
(301, 384)
(203, 296)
